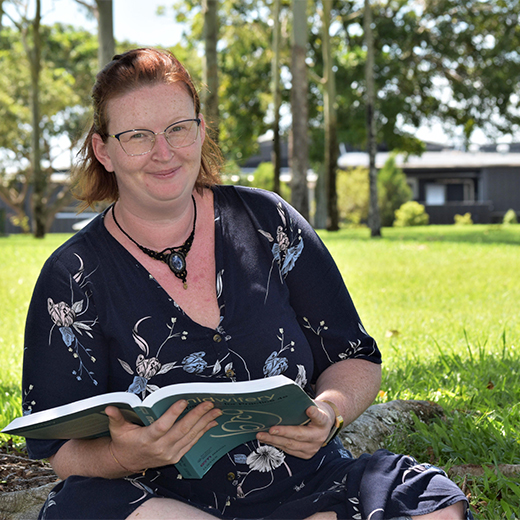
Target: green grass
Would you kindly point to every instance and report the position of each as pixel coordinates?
(442, 302)
(21, 258)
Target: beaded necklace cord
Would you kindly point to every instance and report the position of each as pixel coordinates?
(173, 257)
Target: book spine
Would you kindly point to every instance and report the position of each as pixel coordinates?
(188, 470)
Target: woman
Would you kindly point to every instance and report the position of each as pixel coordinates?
(182, 279)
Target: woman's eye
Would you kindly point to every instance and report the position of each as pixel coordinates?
(138, 135)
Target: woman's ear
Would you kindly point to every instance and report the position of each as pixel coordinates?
(101, 152)
(202, 128)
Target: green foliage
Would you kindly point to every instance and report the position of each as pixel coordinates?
(411, 213)
(352, 190)
(353, 193)
(244, 69)
(393, 191)
(21, 222)
(510, 217)
(463, 220)
(263, 178)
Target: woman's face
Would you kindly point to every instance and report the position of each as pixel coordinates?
(165, 174)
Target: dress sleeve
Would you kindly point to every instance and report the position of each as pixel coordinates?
(64, 354)
(319, 296)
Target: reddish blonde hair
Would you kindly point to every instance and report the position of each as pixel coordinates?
(125, 73)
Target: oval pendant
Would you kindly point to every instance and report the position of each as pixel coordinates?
(177, 262)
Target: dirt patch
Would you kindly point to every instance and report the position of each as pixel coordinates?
(19, 472)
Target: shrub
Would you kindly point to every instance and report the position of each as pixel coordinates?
(463, 220)
(393, 190)
(510, 217)
(352, 189)
(353, 193)
(411, 213)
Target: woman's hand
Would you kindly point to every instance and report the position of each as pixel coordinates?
(163, 442)
(303, 441)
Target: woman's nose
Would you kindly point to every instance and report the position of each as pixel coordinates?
(162, 147)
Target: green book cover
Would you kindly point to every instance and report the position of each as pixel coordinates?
(248, 407)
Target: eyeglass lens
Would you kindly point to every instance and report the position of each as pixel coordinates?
(178, 135)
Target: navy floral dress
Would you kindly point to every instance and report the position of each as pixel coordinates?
(99, 322)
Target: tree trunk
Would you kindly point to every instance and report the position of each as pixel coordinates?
(1, 14)
(277, 95)
(299, 146)
(210, 69)
(106, 49)
(39, 178)
(374, 218)
(329, 103)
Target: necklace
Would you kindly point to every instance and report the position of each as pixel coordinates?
(173, 257)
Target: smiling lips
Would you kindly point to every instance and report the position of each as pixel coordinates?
(165, 173)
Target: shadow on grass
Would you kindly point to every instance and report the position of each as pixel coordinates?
(480, 393)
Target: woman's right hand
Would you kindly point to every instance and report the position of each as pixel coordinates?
(164, 442)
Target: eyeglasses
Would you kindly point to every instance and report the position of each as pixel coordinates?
(140, 142)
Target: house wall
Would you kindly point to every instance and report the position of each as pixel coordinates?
(502, 186)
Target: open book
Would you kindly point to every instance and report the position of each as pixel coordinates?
(248, 407)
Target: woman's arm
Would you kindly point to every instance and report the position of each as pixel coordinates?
(351, 385)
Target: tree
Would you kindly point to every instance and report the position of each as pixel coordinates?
(374, 219)
(244, 65)
(330, 119)
(103, 10)
(67, 64)
(299, 108)
(105, 18)
(31, 38)
(277, 94)
(210, 66)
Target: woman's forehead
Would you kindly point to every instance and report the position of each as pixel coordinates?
(159, 103)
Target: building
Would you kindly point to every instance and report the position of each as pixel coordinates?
(485, 183)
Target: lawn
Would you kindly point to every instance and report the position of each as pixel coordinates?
(442, 302)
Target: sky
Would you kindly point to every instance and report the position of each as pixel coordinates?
(134, 20)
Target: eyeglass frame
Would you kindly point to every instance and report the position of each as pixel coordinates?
(155, 134)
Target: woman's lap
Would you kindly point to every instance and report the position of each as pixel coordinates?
(380, 486)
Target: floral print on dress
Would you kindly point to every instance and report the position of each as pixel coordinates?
(355, 349)
(287, 246)
(276, 364)
(147, 366)
(65, 316)
(263, 459)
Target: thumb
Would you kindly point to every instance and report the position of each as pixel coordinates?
(115, 417)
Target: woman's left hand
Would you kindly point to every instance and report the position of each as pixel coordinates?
(302, 441)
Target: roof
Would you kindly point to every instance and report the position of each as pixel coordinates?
(434, 160)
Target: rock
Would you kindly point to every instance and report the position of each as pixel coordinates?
(368, 432)
(24, 504)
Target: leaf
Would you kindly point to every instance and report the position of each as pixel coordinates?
(77, 307)
(81, 270)
(167, 367)
(267, 235)
(216, 367)
(81, 325)
(126, 366)
(281, 212)
(143, 345)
